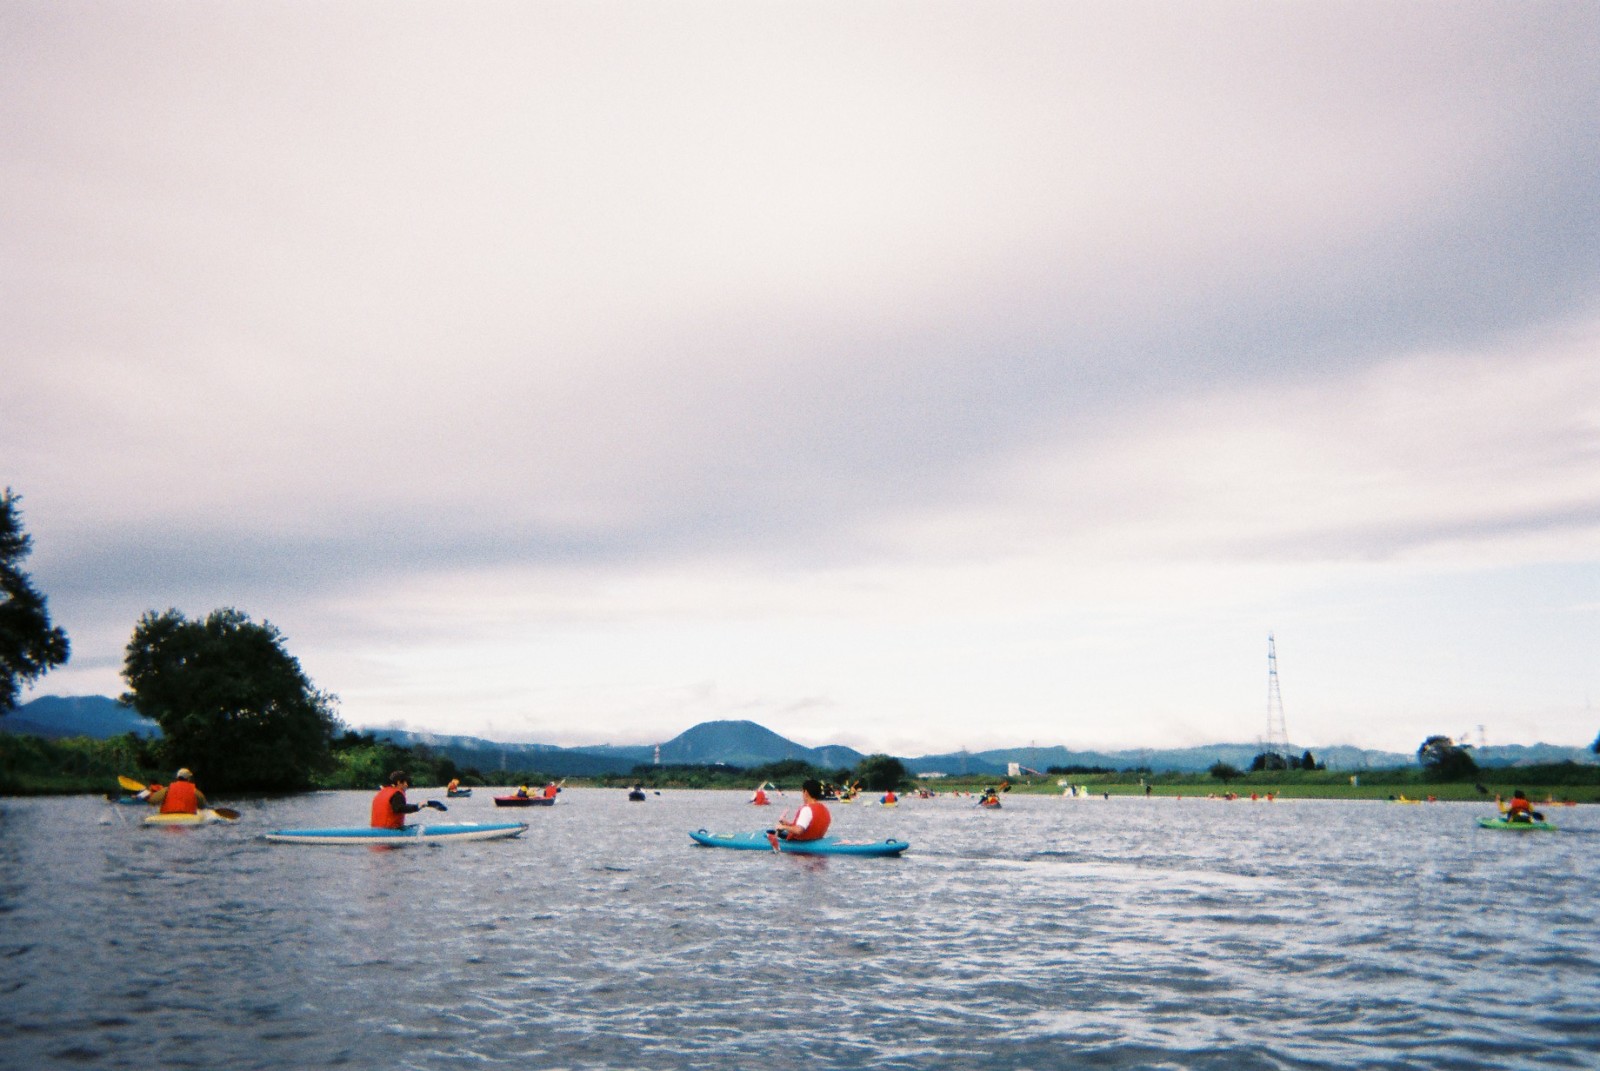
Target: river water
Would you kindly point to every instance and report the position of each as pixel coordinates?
(1053, 933)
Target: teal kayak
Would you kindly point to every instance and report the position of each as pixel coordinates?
(758, 841)
(404, 835)
(1520, 827)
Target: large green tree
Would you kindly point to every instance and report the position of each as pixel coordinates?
(29, 645)
(879, 773)
(232, 703)
(1443, 759)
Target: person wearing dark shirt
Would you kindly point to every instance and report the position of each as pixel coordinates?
(389, 806)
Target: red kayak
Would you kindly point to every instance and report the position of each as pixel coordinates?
(524, 801)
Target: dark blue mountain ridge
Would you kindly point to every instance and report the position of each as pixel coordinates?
(749, 744)
(1187, 760)
(728, 743)
(57, 717)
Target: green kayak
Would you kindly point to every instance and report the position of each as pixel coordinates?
(1520, 827)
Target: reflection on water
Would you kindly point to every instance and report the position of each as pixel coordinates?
(1124, 933)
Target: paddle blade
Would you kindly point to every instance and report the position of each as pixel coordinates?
(129, 783)
(226, 812)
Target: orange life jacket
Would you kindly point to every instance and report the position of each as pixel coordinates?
(820, 818)
(1519, 806)
(180, 799)
(383, 812)
(550, 791)
(760, 797)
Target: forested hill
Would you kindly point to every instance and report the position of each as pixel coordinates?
(729, 743)
(60, 716)
(744, 743)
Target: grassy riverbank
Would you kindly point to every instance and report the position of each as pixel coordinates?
(1560, 782)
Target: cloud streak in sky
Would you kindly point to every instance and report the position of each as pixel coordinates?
(718, 346)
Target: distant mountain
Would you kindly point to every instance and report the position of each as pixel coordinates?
(729, 743)
(491, 756)
(747, 744)
(1186, 760)
(744, 743)
(1531, 754)
(60, 716)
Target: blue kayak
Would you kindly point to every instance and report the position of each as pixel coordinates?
(758, 841)
(404, 835)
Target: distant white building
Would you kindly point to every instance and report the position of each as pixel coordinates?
(932, 775)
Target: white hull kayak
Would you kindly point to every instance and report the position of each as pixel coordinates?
(405, 835)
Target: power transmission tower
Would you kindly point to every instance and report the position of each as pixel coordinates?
(1277, 731)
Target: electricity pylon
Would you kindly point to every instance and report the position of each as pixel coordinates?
(1277, 732)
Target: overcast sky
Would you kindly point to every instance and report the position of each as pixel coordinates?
(911, 376)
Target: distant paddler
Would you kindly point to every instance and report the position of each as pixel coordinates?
(1519, 810)
(760, 798)
(141, 792)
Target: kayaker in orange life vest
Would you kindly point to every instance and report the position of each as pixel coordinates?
(180, 797)
(1519, 809)
(389, 806)
(811, 821)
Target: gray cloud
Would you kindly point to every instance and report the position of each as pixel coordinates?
(300, 304)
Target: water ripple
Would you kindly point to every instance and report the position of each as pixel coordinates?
(1098, 934)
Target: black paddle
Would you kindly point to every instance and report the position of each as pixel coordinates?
(436, 805)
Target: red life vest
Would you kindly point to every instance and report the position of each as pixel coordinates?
(820, 818)
(550, 791)
(760, 797)
(180, 799)
(1519, 805)
(383, 812)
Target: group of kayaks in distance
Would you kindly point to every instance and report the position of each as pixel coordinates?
(181, 803)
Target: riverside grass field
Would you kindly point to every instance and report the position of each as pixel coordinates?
(1579, 785)
(1121, 933)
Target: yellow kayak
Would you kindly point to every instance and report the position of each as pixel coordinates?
(200, 819)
